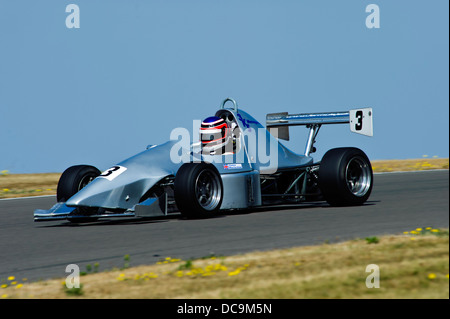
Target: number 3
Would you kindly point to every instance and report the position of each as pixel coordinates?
(359, 116)
(110, 171)
(113, 172)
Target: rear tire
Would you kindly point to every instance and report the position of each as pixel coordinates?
(345, 176)
(198, 190)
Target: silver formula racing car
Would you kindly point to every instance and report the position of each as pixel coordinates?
(237, 164)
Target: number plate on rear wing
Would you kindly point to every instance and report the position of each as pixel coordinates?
(361, 121)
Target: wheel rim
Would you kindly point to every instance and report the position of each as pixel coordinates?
(208, 190)
(85, 180)
(358, 176)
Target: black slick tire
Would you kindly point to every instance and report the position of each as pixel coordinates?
(198, 190)
(345, 176)
(71, 182)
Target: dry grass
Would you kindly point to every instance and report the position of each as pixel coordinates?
(21, 185)
(409, 268)
(410, 164)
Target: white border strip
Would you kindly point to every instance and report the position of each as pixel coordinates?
(28, 197)
(421, 171)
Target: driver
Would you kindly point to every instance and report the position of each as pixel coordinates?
(216, 136)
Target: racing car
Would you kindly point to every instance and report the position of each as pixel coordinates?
(236, 164)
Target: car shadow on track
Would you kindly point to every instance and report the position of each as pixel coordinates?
(299, 206)
(113, 222)
(176, 216)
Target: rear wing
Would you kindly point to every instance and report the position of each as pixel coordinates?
(360, 121)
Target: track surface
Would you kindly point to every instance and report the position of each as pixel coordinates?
(399, 202)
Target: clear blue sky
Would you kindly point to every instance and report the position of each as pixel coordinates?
(135, 70)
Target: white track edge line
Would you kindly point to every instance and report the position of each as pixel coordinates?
(403, 172)
(28, 197)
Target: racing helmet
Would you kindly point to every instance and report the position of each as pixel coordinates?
(214, 134)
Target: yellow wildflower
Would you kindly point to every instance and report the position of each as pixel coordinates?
(220, 267)
(208, 274)
(431, 276)
(234, 273)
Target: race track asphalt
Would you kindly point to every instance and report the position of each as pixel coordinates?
(399, 202)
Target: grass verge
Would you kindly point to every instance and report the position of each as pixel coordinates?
(412, 265)
(23, 185)
(410, 165)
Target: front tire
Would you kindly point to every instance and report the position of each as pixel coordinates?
(198, 190)
(74, 179)
(345, 176)
(71, 182)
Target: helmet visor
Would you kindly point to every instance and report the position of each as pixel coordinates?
(211, 135)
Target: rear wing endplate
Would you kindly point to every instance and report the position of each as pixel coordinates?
(360, 121)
